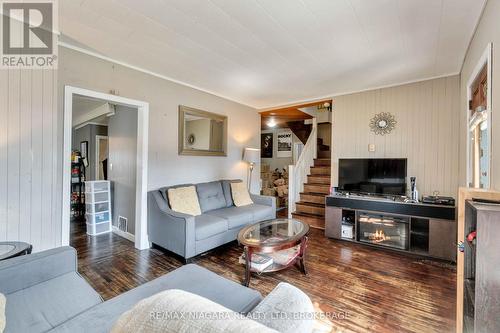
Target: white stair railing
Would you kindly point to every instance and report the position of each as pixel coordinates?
(297, 174)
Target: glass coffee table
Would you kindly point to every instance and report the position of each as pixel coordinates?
(282, 240)
(13, 249)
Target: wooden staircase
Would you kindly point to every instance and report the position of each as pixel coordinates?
(300, 129)
(311, 207)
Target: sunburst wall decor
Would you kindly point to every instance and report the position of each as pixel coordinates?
(383, 123)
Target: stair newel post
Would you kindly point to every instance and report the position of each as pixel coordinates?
(291, 190)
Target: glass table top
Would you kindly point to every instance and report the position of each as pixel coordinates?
(273, 232)
(4, 249)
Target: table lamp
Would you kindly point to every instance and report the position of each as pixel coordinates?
(252, 157)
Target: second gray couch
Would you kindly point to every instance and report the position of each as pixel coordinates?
(219, 223)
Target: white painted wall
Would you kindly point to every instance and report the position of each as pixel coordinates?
(426, 133)
(30, 182)
(122, 170)
(487, 32)
(166, 167)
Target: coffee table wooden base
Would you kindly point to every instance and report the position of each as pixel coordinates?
(298, 260)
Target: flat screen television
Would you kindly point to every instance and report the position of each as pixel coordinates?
(384, 176)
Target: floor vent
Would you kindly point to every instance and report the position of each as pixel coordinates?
(121, 224)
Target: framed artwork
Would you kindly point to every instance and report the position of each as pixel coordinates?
(84, 149)
(266, 145)
(285, 143)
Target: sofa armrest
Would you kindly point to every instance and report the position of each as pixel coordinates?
(26, 271)
(264, 200)
(171, 230)
(285, 309)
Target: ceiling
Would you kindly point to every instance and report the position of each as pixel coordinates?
(266, 53)
(282, 116)
(84, 105)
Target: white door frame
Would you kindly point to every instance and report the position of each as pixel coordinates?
(484, 60)
(97, 148)
(141, 226)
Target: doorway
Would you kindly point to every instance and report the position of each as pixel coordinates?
(479, 123)
(140, 110)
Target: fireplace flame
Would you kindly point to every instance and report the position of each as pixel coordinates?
(378, 236)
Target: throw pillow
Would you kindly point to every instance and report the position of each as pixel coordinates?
(285, 309)
(240, 194)
(2, 312)
(180, 311)
(184, 200)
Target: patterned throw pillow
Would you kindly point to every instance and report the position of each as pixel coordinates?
(188, 313)
(184, 200)
(240, 194)
(2, 312)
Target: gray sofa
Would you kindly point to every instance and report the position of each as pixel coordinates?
(45, 293)
(218, 224)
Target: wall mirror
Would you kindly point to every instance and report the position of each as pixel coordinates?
(202, 133)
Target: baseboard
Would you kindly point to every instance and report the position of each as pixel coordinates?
(124, 234)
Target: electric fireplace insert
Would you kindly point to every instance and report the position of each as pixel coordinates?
(389, 231)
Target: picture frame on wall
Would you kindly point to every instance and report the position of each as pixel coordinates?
(266, 145)
(284, 143)
(84, 149)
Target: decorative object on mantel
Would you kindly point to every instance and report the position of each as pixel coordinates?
(325, 107)
(383, 123)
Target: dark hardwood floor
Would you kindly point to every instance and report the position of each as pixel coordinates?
(379, 291)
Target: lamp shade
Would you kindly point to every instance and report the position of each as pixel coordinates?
(251, 155)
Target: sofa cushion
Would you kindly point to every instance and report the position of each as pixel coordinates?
(48, 304)
(184, 200)
(208, 225)
(235, 216)
(210, 196)
(181, 304)
(226, 187)
(240, 194)
(259, 212)
(191, 278)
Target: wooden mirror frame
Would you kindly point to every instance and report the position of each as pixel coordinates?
(183, 110)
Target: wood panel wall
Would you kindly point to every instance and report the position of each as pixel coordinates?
(30, 201)
(427, 131)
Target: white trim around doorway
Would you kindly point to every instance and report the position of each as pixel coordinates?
(141, 236)
(485, 59)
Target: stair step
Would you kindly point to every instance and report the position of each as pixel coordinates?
(322, 162)
(321, 170)
(319, 179)
(314, 221)
(317, 188)
(310, 208)
(312, 198)
(324, 154)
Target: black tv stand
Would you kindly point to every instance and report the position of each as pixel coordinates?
(422, 229)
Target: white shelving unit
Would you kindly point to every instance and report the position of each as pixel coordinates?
(98, 207)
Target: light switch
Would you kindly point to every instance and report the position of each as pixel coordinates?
(371, 147)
